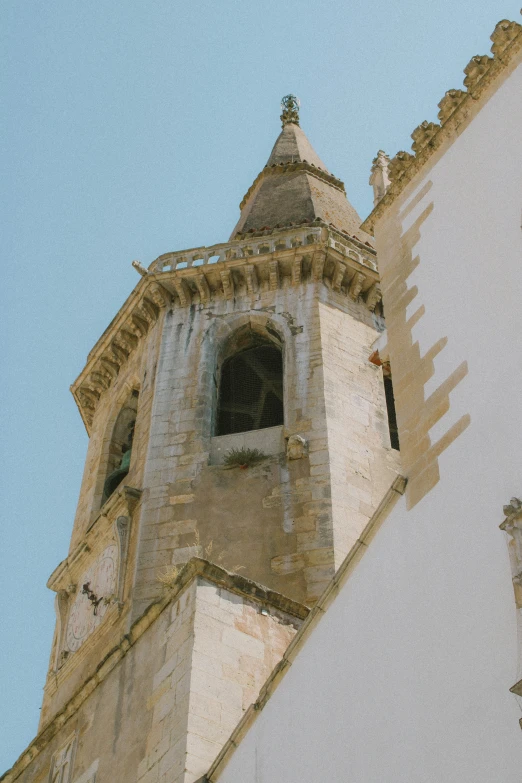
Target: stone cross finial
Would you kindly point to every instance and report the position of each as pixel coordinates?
(290, 106)
(379, 177)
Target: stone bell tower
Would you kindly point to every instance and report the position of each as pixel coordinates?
(238, 445)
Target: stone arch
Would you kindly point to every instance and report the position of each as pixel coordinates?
(250, 387)
(228, 334)
(117, 441)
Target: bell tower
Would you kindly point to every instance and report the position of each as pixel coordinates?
(238, 446)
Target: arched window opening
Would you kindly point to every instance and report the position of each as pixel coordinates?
(120, 448)
(392, 416)
(251, 390)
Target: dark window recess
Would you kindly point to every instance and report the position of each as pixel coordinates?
(392, 416)
(120, 448)
(251, 391)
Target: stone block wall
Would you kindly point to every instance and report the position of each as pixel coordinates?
(357, 445)
(273, 521)
(219, 650)
(246, 518)
(164, 701)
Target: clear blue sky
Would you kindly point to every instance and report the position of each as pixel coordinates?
(135, 128)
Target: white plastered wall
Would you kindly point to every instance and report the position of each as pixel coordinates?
(407, 676)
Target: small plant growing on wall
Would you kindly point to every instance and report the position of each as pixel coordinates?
(168, 576)
(242, 458)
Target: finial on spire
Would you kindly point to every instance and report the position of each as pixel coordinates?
(290, 106)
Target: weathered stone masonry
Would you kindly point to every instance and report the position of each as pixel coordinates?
(185, 582)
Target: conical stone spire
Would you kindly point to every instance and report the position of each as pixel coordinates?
(295, 187)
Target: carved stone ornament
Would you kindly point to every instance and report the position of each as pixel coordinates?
(109, 365)
(513, 527)
(148, 311)
(127, 340)
(449, 103)
(379, 177)
(423, 134)
(138, 324)
(398, 165)
(140, 269)
(100, 379)
(290, 106)
(513, 509)
(203, 288)
(340, 270)
(183, 291)
(86, 610)
(297, 447)
(356, 285)
(475, 70)
(373, 297)
(502, 35)
(159, 295)
(119, 353)
(251, 279)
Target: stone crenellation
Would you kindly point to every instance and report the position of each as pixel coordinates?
(475, 70)
(479, 72)
(449, 103)
(423, 134)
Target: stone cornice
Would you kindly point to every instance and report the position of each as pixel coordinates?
(456, 110)
(295, 255)
(290, 168)
(138, 315)
(192, 570)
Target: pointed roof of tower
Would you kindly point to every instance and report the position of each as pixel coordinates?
(295, 187)
(292, 146)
